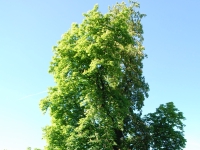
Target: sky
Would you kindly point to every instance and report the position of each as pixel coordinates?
(29, 30)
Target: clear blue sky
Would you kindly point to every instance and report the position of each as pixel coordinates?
(29, 29)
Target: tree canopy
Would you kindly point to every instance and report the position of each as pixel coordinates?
(100, 88)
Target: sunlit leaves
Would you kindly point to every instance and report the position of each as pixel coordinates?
(100, 88)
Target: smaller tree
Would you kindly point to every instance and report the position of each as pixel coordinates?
(166, 128)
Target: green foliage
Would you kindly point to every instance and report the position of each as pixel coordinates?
(166, 128)
(100, 89)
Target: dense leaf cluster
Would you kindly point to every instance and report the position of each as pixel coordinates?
(100, 90)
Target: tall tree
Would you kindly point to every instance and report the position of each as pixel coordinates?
(100, 89)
